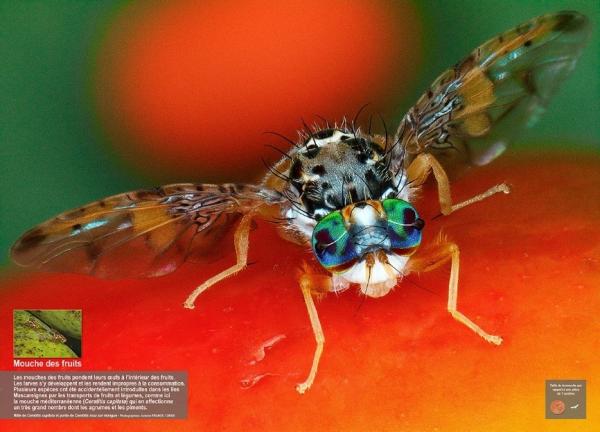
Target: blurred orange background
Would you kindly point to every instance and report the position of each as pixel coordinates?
(218, 74)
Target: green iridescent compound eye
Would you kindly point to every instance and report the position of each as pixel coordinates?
(335, 247)
(331, 243)
(404, 225)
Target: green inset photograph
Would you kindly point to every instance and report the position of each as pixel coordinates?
(52, 333)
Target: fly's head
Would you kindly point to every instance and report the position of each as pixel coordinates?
(368, 243)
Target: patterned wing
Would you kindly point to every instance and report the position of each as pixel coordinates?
(473, 110)
(143, 233)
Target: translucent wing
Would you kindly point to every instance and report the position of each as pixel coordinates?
(142, 233)
(472, 111)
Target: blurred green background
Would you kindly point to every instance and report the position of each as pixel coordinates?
(54, 154)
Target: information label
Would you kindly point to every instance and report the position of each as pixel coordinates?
(565, 399)
(130, 394)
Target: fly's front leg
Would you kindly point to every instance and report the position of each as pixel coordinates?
(448, 251)
(425, 163)
(240, 239)
(313, 283)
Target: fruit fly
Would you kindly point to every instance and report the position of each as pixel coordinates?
(346, 193)
(54, 336)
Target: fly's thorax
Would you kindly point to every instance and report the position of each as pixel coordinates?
(368, 243)
(336, 167)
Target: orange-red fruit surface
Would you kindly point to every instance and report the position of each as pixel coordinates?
(530, 272)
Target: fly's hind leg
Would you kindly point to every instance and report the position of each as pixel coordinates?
(312, 283)
(240, 239)
(425, 163)
(444, 252)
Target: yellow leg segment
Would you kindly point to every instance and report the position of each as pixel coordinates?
(444, 252)
(241, 236)
(425, 163)
(309, 283)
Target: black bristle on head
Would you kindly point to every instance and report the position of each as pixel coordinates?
(278, 150)
(385, 130)
(275, 172)
(283, 137)
(355, 119)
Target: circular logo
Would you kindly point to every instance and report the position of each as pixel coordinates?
(557, 407)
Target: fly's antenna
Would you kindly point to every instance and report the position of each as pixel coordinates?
(283, 137)
(370, 123)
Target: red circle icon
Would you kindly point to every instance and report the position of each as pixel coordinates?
(557, 407)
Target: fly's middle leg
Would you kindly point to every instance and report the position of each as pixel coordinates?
(241, 241)
(443, 252)
(312, 283)
(425, 163)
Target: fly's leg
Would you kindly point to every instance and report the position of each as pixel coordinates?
(313, 283)
(425, 163)
(449, 251)
(240, 239)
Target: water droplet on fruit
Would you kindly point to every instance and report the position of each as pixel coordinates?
(252, 380)
(260, 352)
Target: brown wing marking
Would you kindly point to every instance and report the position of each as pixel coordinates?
(473, 110)
(142, 233)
